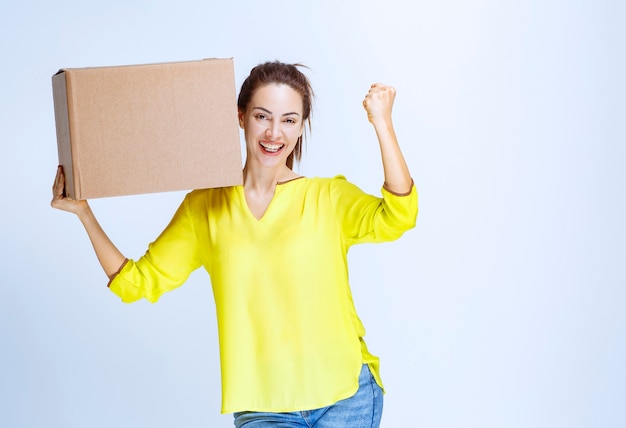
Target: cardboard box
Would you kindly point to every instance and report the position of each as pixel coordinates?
(147, 128)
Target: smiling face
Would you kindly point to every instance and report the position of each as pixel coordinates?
(272, 124)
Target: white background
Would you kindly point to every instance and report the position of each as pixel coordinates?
(504, 307)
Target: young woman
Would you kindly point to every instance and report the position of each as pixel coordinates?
(291, 343)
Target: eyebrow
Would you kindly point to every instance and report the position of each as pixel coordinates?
(267, 111)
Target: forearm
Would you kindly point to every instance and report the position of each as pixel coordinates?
(378, 103)
(109, 256)
(397, 176)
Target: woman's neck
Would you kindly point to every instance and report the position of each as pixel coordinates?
(264, 180)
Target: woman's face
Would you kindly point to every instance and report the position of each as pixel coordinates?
(272, 124)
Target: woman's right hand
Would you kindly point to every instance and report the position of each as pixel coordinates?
(60, 200)
(108, 255)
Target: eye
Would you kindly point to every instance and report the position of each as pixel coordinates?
(291, 121)
(260, 116)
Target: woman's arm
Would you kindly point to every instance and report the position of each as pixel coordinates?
(109, 256)
(378, 103)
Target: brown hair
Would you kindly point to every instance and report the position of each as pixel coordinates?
(286, 74)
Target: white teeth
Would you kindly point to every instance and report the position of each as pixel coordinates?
(272, 147)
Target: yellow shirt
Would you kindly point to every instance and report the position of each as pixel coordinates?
(290, 338)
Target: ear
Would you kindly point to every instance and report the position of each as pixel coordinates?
(301, 129)
(240, 116)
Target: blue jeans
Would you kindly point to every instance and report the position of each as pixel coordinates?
(362, 410)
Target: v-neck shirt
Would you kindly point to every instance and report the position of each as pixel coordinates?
(289, 334)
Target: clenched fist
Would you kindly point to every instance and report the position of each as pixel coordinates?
(378, 102)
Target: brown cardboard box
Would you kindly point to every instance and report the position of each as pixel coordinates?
(147, 128)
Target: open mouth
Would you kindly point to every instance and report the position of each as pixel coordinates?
(271, 148)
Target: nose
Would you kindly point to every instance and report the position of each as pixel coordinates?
(273, 130)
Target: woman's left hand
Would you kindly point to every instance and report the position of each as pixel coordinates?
(378, 102)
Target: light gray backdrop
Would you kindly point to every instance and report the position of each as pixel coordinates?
(504, 307)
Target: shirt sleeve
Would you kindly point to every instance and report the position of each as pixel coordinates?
(367, 218)
(166, 264)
